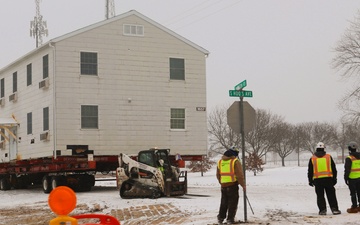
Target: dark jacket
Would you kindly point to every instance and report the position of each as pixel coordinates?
(311, 167)
(348, 163)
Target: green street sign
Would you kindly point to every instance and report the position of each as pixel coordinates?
(240, 85)
(234, 93)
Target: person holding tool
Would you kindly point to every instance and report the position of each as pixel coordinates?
(230, 175)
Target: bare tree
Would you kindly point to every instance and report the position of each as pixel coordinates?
(221, 136)
(315, 132)
(260, 139)
(346, 132)
(347, 62)
(299, 135)
(283, 144)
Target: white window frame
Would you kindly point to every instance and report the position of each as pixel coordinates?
(133, 30)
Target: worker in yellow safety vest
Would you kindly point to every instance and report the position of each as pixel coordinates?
(322, 174)
(230, 175)
(352, 176)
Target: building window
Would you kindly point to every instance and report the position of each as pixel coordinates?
(14, 82)
(133, 30)
(45, 66)
(177, 69)
(46, 118)
(2, 86)
(28, 74)
(89, 117)
(29, 123)
(177, 119)
(89, 63)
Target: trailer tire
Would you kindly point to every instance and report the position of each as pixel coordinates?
(91, 180)
(5, 184)
(46, 184)
(20, 182)
(85, 182)
(57, 181)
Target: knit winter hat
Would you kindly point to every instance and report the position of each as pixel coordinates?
(228, 153)
(233, 151)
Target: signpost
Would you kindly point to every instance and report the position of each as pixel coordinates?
(239, 92)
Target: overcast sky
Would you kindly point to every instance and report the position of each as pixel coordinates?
(283, 48)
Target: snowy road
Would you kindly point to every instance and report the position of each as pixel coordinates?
(278, 196)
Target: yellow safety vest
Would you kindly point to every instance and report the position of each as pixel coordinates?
(321, 166)
(355, 167)
(227, 170)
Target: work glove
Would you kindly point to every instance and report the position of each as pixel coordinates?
(347, 182)
(334, 181)
(311, 184)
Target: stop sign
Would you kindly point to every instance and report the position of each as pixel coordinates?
(233, 117)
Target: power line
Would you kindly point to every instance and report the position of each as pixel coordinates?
(180, 16)
(211, 14)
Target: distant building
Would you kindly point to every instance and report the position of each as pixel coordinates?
(121, 85)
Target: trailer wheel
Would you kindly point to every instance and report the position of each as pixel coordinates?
(46, 184)
(85, 182)
(5, 184)
(91, 180)
(56, 181)
(20, 182)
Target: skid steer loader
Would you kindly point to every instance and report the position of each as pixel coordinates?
(150, 175)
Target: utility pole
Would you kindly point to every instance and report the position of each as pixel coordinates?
(109, 9)
(38, 26)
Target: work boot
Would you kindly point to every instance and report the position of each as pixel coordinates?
(220, 221)
(336, 211)
(322, 212)
(352, 210)
(230, 222)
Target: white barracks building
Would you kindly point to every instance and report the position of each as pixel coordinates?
(118, 86)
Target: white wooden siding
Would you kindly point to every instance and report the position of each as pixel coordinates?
(129, 67)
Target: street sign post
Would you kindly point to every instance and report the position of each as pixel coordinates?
(239, 92)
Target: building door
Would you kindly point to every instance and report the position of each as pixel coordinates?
(13, 143)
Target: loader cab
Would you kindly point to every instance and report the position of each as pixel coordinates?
(151, 158)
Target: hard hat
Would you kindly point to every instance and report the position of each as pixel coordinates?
(320, 145)
(352, 145)
(234, 151)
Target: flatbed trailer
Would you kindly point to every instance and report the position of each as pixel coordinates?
(77, 172)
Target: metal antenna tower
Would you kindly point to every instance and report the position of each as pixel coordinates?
(38, 26)
(109, 9)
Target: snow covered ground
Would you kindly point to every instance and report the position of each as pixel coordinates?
(278, 195)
